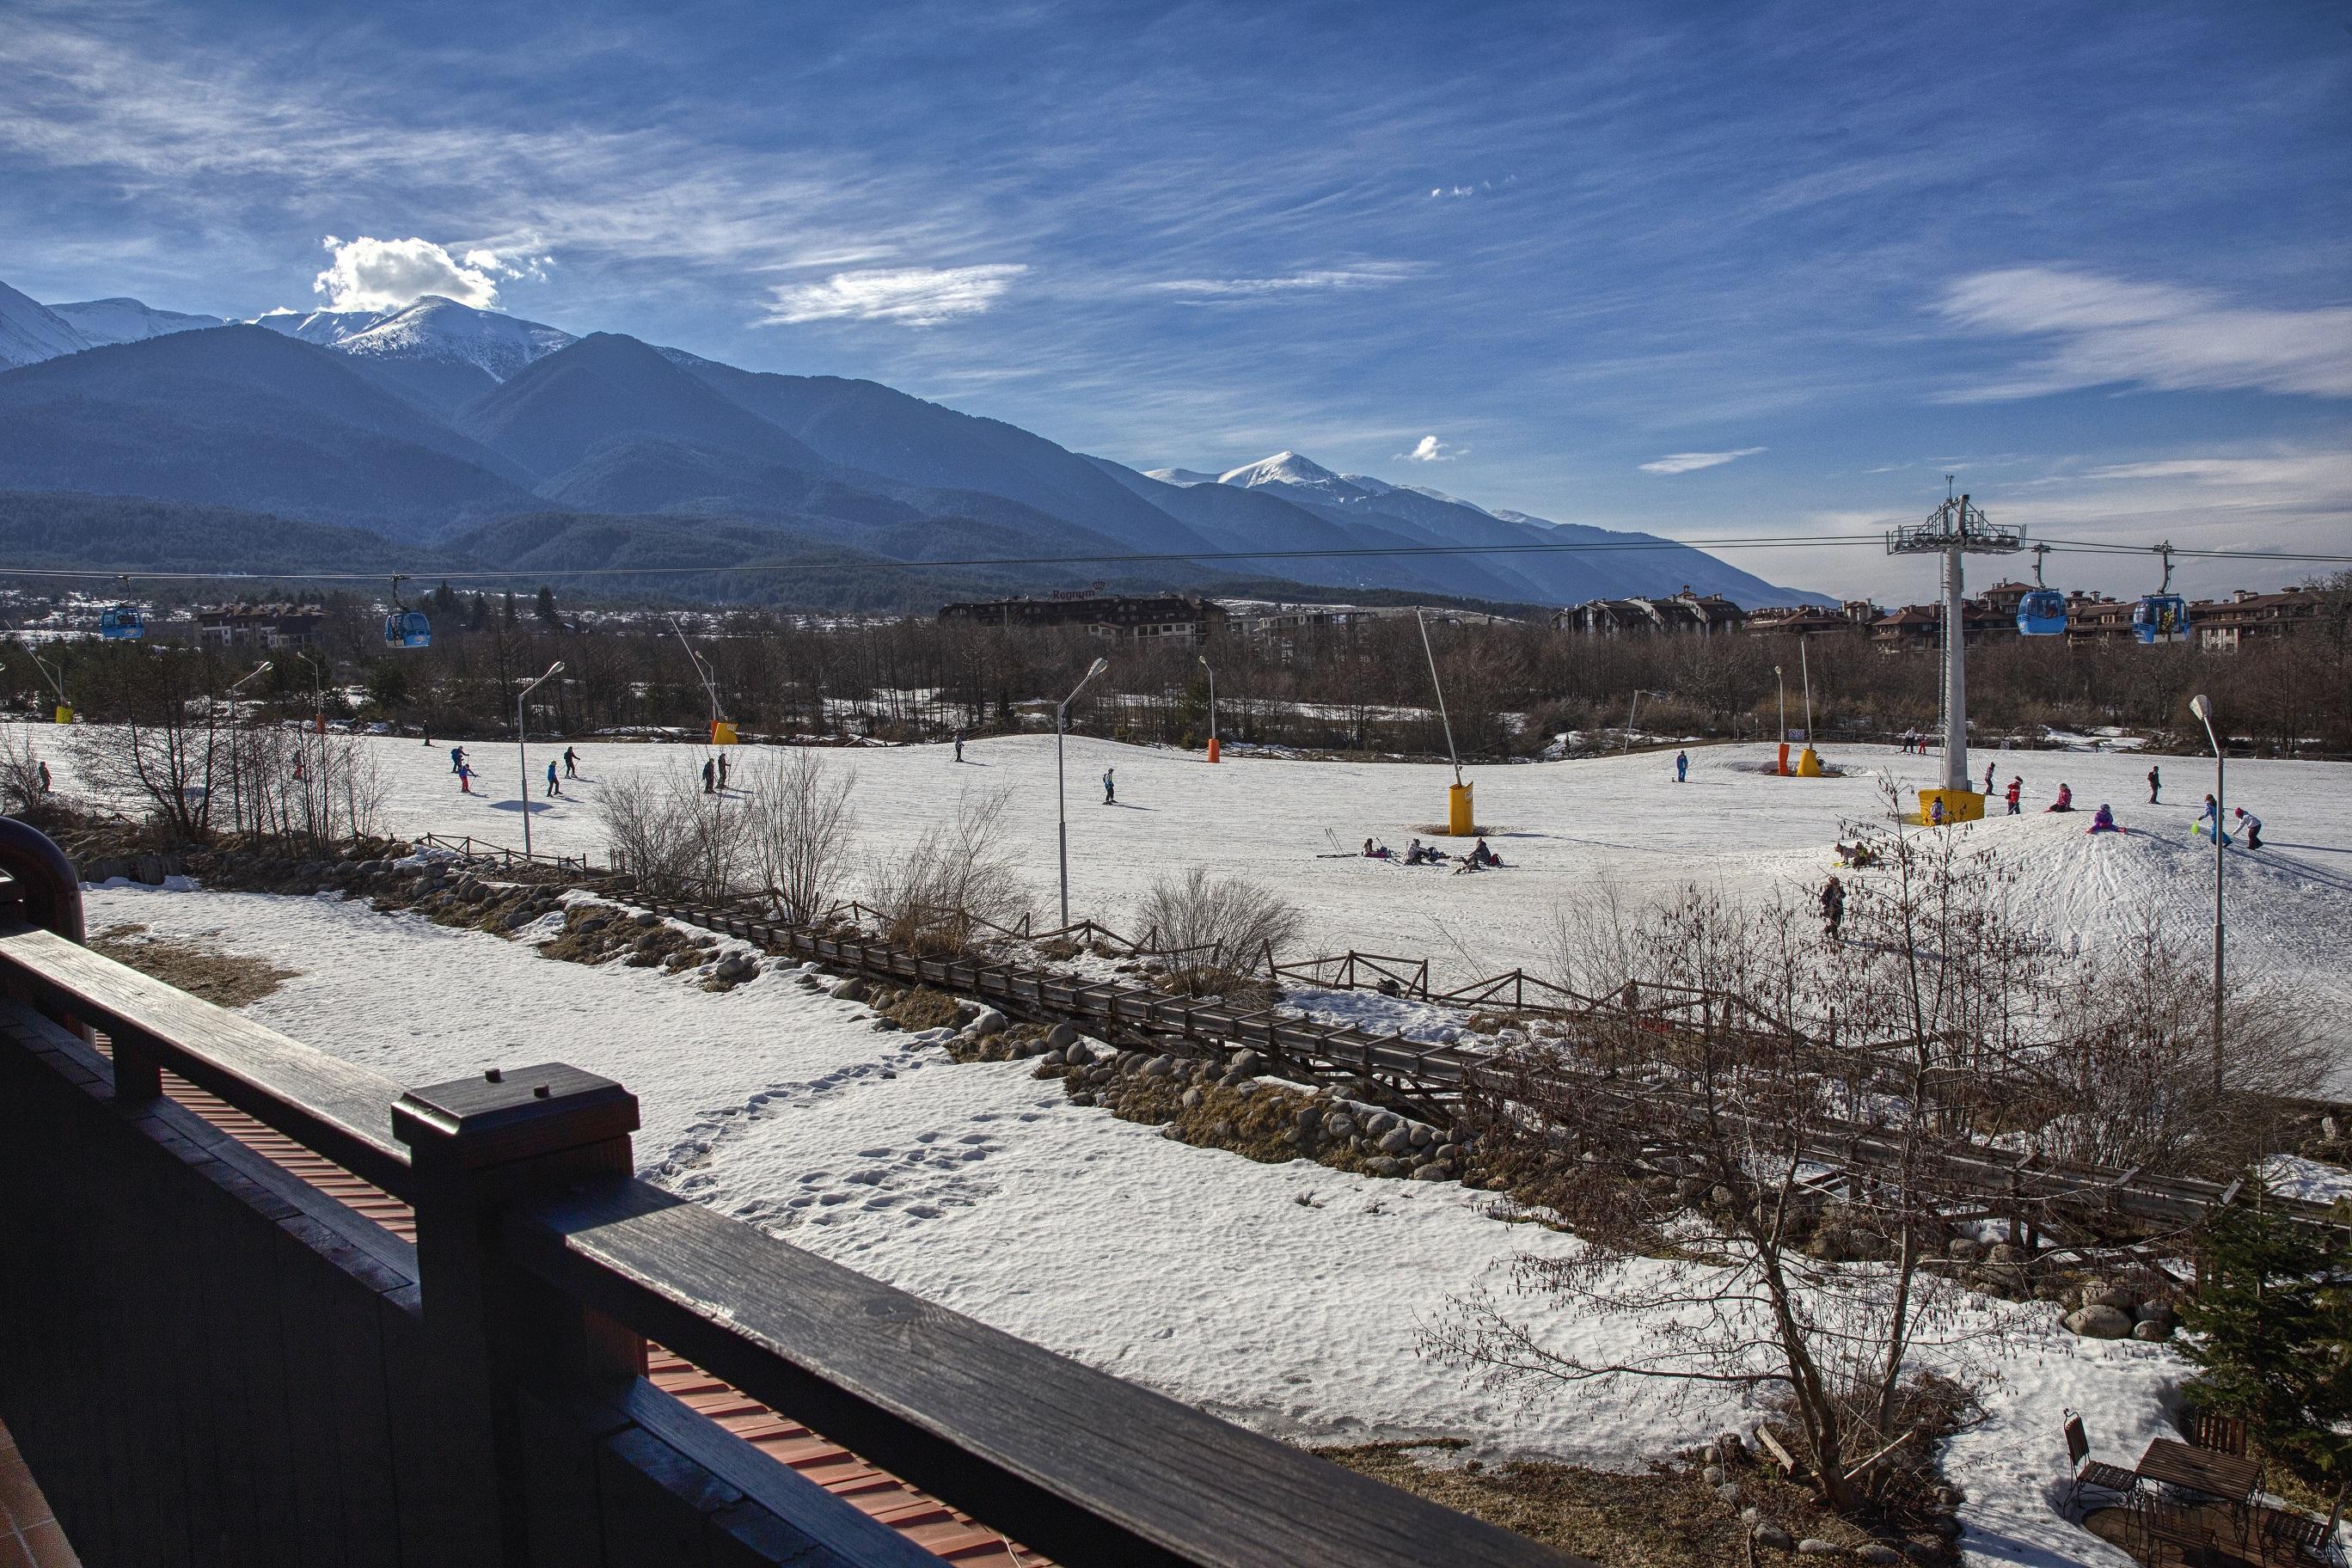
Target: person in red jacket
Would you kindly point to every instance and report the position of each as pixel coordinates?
(2016, 791)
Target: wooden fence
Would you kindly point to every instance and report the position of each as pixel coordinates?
(206, 1360)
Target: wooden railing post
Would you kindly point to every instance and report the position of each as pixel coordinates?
(478, 1145)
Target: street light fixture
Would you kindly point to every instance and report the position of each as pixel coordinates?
(522, 752)
(318, 693)
(2203, 709)
(1061, 797)
(1635, 708)
(1213, 707)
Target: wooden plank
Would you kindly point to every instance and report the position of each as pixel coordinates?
(340, 1109)
(1083, 1466)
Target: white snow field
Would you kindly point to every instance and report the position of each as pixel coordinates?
(1289, 1297)
(1565, 827)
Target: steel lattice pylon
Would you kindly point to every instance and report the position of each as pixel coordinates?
(1954, 529)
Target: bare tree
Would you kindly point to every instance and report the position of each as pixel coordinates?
(960, 878)
(20, 770)
(1232, 918)
(801, 825)
(675, 839)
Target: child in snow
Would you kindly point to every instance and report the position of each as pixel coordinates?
(1682, 766)
(1987, 780)
(552, 787)
(1110, 792)
(2208, 822)
(2155, 783)
(2016, 791)
(2104, 822)
(709, 777)
(2254, 826)
(1415, 854)
(1935, 812)
(465, 778)
(45, 778)
(570, 763)
(1483, 855)
(1832, 907)
(2065, 801)
(958, 740)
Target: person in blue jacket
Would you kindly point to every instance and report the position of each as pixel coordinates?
(552, 786)
(1682, 766)
(1110, 795)
(2208, 822)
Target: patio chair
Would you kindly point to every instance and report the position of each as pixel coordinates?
(2184, 1530)
(2292, 1536)
(2090, 1472)
(2222, 1433)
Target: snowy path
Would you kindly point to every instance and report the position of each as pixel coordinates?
(981, 1188)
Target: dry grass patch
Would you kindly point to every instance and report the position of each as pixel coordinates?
(220, 978)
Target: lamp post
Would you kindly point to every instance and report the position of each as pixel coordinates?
(236, 771)
(318, 694)
(1212, 706)
(1634, 707)
(1805, 669)
(522, 752)
(1781, 683)
(55, 684)
(2203, 709)
(1061, 796)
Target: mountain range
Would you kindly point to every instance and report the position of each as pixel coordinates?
(458, 436)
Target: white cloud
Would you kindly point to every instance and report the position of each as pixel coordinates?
(1206, 289)
(1453, 191)
(1691, 462)
(2108, 332)
(915, 296)
(386, 274)
(1430, 449)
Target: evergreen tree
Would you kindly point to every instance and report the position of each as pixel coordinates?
(509, 614)
(445, 600)
(2272, 1336)
(478, 614)
(546, 612)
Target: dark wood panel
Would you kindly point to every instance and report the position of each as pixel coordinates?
(1084, 1466)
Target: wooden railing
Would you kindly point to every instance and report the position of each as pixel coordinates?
(208, 1360)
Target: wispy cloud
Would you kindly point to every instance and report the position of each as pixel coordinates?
(1691, 462)
(913, 296)
(2108, 332)
(370, 274)
(1430, 449)
(1205, 290)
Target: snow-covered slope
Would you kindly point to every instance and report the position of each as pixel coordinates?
(436, 328)
(30, 331)
(1301, 473)
(1185, 478)
(431, 329)
(127, 320)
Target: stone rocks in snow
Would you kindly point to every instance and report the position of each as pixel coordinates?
(1062, 1035)
(853, 989)
(1814, 1546)
(986, 1022)
(2099, 1322)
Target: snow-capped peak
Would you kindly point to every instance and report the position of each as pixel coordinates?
(1180, 478)
(433, 328)
(1294, 472)
(126, 320)
(436, 328)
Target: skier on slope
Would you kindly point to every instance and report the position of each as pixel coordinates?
(2254, 826)
(1987, 789)
(465, 778)
(709, 776)
(1682, 766)
(1110, 792)
(2016, 791)
(457, 758)
(2104, 822)
(959, 745)
(2155, 783)
(570, 763)
(554, 788)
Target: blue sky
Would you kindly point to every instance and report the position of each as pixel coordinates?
(1701, 269)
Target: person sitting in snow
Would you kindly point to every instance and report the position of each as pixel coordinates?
(1375, 852)
(2104, 822)
(2208, 822)
(1483, 855)
(2252, 826)
(1415, 854)
(2065, 801)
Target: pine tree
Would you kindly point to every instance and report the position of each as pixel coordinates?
(2270, 1335)
(509, 614)
(546, 611)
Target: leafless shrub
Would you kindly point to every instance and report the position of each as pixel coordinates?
(1223, 922)
(675, 839)
(802, 824)
(956, 881)
(20, 772)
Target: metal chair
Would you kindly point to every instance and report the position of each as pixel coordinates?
(2164, 1525)
(2222, 1433)
(2090, 1472)
(2297, 1538)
